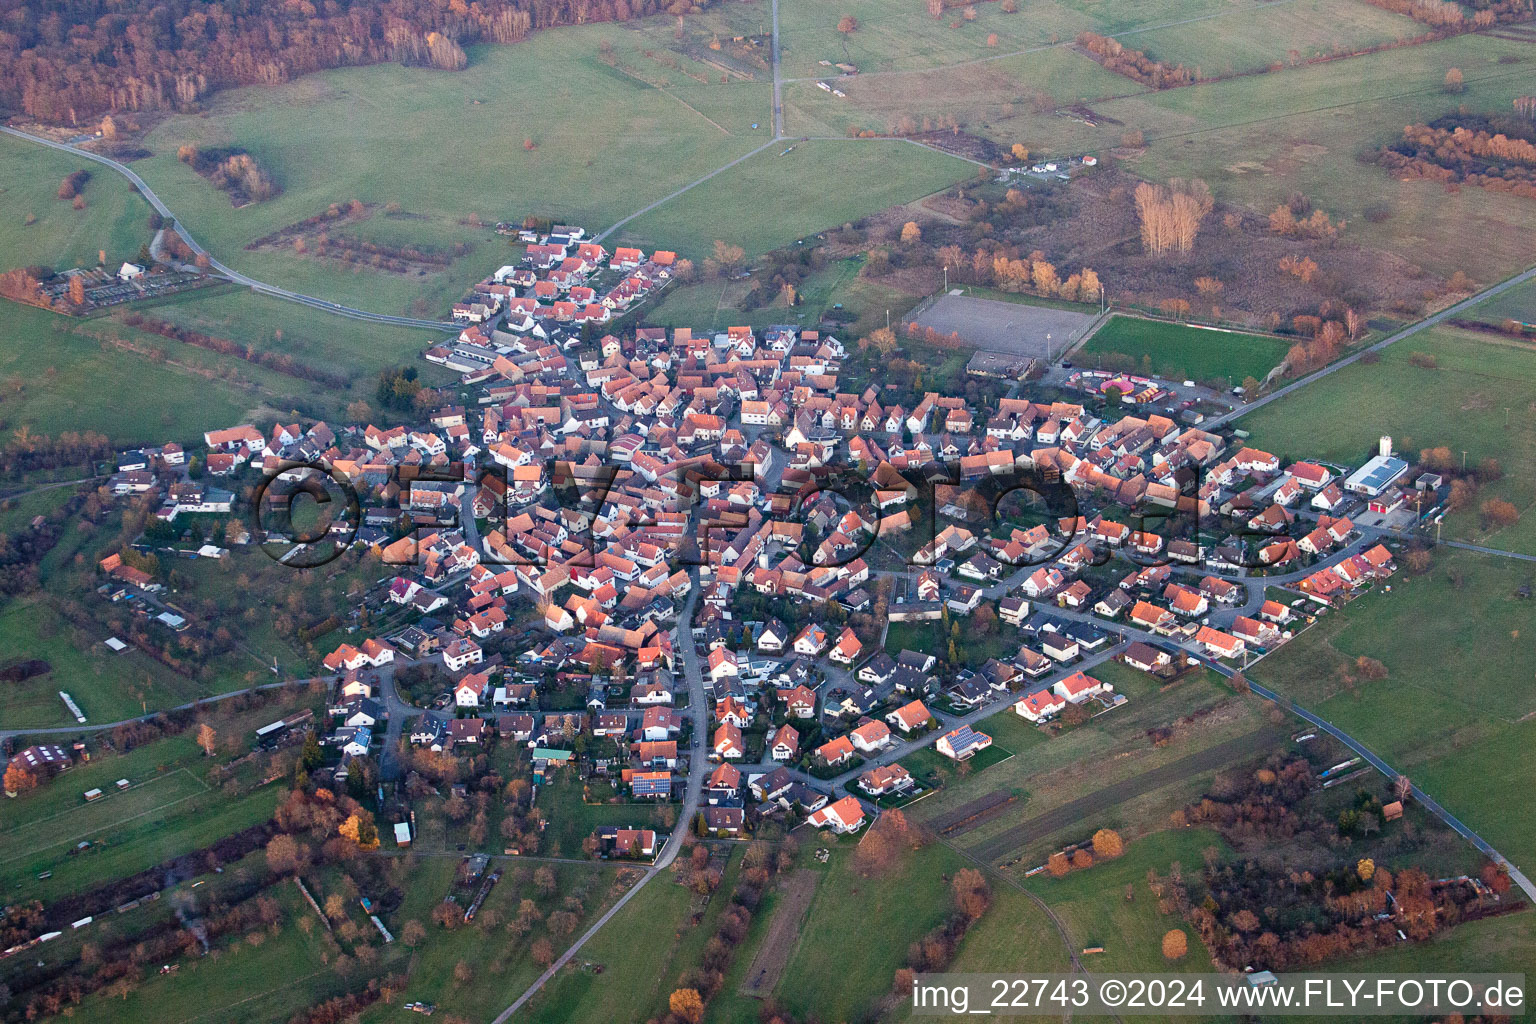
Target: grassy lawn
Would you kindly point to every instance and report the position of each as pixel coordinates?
(1177, 351)
(114, 218)
(842, 965)
(311, 337)
(1482, 393)
(571, 819)
(1258, 38)
(1092, 904)
(638, 958)
(716, 304)
(632, 961)
(775, 197)
(1455, 713)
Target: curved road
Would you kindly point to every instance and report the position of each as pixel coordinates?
(233, 275)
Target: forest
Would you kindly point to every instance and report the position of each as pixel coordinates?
(72, 61)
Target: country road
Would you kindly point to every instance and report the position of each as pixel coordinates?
(1407, 332)
(260, 287)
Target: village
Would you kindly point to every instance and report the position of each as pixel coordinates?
(673, 566)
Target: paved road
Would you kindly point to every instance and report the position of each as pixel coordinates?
(698, 765)
(234, 275)
(1429, 802)
(1407, 332)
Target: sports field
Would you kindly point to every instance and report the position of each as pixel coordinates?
(1039, 332)
(1176, 351)
(1477, 399)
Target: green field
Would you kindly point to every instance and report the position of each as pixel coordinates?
(167, 814)
(1177, 351)
(1477, 400)
(1455, 713)
(107, 686)
(857, 931)
(1519, 303)
(1092, 902)
(311, 337)
(777, 197)
(1286, 33)
(114, 219)
(606, 143)
(64, 367)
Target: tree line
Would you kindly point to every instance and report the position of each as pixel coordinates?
(65, 61)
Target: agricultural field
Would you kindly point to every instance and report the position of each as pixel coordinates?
(717, 304)
(1257, 139)
(1275, 34)
(675, 130)
(59, 368)
(107, 686)
(1091, 903)
(114, 218)
(169, 809)
(786, 193)
(1456, 702)
(1176, 351)
(312, 338)
(1519, 303)
(639, 958)
(1478, 398)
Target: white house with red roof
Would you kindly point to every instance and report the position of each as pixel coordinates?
(1038, 706)
(1079, 686)
(843, 816)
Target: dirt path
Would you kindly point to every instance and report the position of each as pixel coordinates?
(1084, 807)
(773, 956)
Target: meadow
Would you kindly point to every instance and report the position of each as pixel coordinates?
(786, 193)
(1285, 33)
(114, 218)
(169, 809)
(841, 964)
(605, 142)
(1455, 712)
(1176, 351)
(1477, 399)
(60, 370)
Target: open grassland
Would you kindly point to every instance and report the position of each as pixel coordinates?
(716, 304)
(311, 337)
(448, 146)
(1008, 98)
(239, 984)
(1480, 398)
(129, 832)
(1283, 33)
(858, 929)
(107, 686)
(777, 197)
(639, 957)
(1519, 303)
(62, 372)
(1092, 904)
(1456, 711)
(1176, 351)
(1257, 139)
(114, 218)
